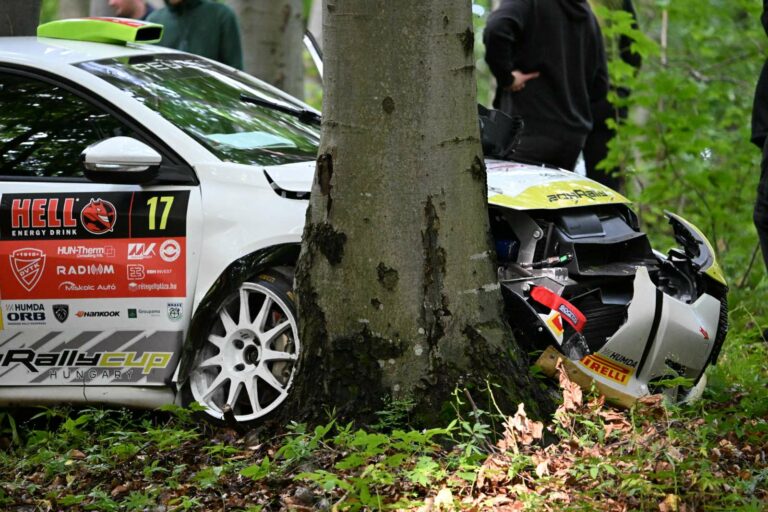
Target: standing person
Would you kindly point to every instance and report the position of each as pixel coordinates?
(136, 9)
(596, 146)
(201, 27)
(760, 139)
(549, 63)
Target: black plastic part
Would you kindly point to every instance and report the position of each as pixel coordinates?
(123, 177)
(305, 116)
(148, 34)
(287, 194)
(522, 315)
(722, 331)
(654, 330)
(582, 224)
(499, 132)
(236, 273)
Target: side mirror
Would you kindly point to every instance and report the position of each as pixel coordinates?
(120, 160)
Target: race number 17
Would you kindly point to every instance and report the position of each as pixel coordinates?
(152, 203)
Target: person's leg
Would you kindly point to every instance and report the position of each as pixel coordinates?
(540, 148)
(760, 214)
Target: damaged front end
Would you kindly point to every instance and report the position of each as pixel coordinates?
(586, 281)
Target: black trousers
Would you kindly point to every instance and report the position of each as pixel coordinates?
(543, 142)
(760, 214)
(541, 148)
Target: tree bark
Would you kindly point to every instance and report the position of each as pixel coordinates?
(315, 24)
(19, 17)
(101, 8)
(272, 32)
(398, 294)
(74, 8)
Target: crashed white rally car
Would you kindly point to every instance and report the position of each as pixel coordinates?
(151, 210)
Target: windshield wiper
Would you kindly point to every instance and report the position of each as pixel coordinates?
(305, 116)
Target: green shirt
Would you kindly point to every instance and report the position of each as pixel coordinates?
(203, 28)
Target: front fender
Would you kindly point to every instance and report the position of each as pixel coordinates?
(236, 273)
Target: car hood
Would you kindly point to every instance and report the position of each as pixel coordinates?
(528, 187)
(510, 184)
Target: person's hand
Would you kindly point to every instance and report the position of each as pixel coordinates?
(520, 78)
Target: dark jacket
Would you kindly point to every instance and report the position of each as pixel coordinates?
(560, 39)
(760, 105)
(149, 11)
(203, 28)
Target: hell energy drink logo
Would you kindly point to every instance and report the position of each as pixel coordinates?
(98, 216)
(27, 265)
(58, 216)
(604, 367)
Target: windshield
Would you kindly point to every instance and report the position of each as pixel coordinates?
(205, 100)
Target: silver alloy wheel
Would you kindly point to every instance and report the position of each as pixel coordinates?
(249, 359)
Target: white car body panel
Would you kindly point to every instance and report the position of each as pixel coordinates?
(152, 328)
(235, 211)
(235, 198)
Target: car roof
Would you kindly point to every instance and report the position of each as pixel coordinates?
(47, 51)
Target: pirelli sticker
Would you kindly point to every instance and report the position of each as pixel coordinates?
(607, 368)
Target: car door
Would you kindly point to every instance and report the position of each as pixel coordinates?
(96, 279)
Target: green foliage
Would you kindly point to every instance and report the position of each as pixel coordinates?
(49, 10)
(685, 146)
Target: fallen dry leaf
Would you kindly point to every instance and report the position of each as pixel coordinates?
(572, 394)
(670, 504)
(444, 499)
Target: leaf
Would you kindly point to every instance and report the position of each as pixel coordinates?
(258, 471)
(354, 460)
(542, 469)
(424, 472)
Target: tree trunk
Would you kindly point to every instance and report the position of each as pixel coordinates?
(19, 17)
(398, 295)
(272, 33)
(315, 24)
(101, 8)
(73, 8)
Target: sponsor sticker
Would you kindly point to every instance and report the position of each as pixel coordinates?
(619, 358)
(607, 368)
(35, 361)
(98, 216)
(27, 265)
(85, 252)
(141, 250)
(61, 312)
(175, 311)
(98, 314)
(576, 194)
(66, 246)
(170, 251)
(24, 313)
(144, 313)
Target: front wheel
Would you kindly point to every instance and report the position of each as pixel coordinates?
(250, 354)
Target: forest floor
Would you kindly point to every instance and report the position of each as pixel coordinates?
(709, 455)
